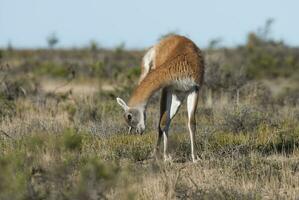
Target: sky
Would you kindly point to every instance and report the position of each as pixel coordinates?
(139, 23)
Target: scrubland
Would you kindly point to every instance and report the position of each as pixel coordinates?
(62, 134)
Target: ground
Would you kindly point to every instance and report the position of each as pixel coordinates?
(63, 136)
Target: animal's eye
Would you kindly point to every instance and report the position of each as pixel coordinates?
(129, 116)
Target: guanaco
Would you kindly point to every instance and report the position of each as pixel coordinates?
(175, 65)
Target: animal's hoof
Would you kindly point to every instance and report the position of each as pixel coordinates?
(196, 160)
(167, 158)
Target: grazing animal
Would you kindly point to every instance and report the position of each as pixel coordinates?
(176, 66)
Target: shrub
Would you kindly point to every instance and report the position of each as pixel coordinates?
(12, 182)
(241, 119)
(52, 40)
(257, 94)
(72, 140)
(7, 108)
(97, 69)
(51, 69)
(95, 180)
(86, 111)
(16, 88)
(45, 166)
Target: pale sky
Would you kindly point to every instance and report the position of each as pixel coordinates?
(138, 23)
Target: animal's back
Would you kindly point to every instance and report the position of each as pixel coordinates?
(179, 54)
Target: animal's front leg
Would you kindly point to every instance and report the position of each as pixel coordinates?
(162, 120)
(158, 143)
(173, 103)
(166, 156)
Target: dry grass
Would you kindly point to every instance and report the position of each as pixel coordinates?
(72, 143)
(60, 153)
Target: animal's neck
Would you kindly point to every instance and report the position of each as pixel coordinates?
(155, 80)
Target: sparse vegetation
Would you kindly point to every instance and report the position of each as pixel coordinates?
(63, 137)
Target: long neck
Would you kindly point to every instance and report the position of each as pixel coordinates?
(155, 80)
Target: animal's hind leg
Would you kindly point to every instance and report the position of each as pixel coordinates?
(192, 101)
(147, 63)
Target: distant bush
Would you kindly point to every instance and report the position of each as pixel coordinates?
(133, 73)
(218, 76)
(257, 93)
(241, 119)
(267, 58)
(51, 69)
(93, 46)
(119, 49)
(97, 69)
(52, 40)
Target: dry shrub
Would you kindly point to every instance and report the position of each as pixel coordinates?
(256, 94)
(290, 97)
(19, 87)
(242, 118)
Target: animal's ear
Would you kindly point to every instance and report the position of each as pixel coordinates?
(122, 103)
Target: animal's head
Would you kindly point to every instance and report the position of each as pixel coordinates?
(134, 116)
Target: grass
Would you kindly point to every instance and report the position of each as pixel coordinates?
(73, 144)
(78, 165)
(50, 156)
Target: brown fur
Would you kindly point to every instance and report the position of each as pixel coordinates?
(176, 57)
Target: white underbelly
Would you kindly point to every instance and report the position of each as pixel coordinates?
(184, 84)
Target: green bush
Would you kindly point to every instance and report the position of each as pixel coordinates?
(51, 69)
(72, 140)
(97, 69)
